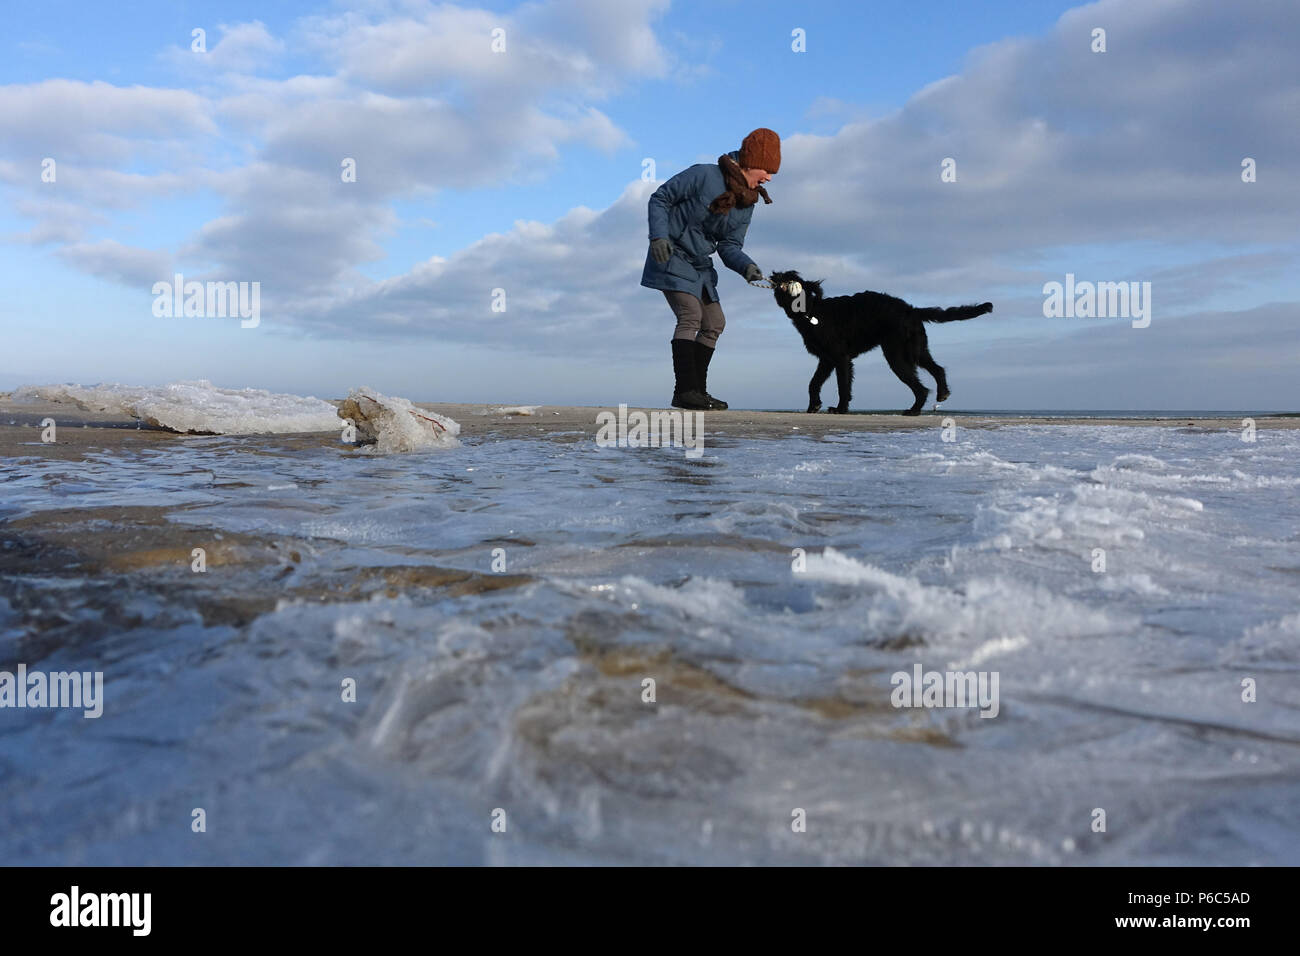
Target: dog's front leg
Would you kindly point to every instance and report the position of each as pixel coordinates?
(844, 382)
(824, 369)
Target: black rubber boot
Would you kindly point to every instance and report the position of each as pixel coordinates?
(685, 394)
(703, 356)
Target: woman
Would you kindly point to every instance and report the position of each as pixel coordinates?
(704, 209)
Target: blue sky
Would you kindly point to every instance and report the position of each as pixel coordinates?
(522, 171)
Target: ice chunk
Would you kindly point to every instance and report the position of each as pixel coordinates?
(389, 424)
(510, 410)
(198, 407)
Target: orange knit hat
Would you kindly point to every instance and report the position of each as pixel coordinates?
(761, 150)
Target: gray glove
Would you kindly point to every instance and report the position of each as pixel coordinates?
(753, 273)
(661, 250)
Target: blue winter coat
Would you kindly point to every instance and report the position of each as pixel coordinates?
(679, 210)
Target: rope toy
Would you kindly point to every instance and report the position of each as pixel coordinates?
(790, 288)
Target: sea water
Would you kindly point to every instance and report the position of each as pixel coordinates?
(1134, 589)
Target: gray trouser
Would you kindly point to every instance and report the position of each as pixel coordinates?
(697, 321)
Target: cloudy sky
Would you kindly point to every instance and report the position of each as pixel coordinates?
(522, 170)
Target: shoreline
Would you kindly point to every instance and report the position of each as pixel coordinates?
(82, 431)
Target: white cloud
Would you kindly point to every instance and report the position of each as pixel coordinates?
(238, 48)
(418, 102)
(578, 45)
(57, 222)
(95, 123)
(128, 265)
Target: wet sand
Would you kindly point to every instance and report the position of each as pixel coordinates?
(79, 432)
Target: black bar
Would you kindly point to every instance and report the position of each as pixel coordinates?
(332, 906)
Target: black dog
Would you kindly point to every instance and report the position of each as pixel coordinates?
(839, 329)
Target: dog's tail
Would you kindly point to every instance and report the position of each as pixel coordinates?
(955, 314)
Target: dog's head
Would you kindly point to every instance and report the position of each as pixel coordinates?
(794, 294)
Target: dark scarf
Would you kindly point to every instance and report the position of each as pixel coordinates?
(738, 192)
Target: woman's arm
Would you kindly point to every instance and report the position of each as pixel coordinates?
(730, 249)
(668, 195)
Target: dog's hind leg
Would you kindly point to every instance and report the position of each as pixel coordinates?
(906, 373)
(824, 369)
(844, 383)
(940, 379)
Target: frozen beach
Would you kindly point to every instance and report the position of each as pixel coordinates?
(501, 603)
